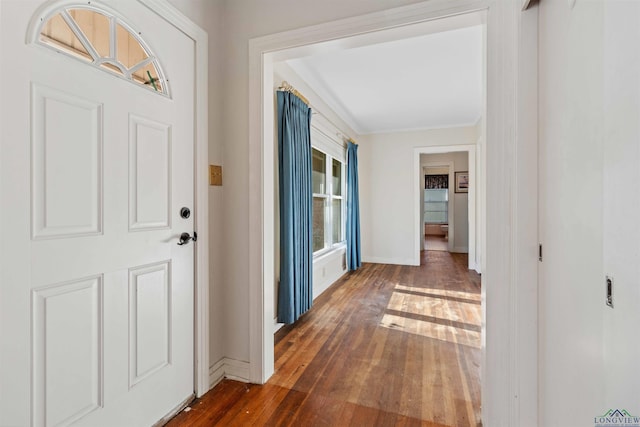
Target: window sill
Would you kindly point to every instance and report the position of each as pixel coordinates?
(329, 251)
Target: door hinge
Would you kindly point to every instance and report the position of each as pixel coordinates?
(540, 252)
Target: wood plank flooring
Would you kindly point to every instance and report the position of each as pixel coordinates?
(386, 345)
(436, 243)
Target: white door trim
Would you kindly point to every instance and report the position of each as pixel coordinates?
(201, 186)
(510, 362)
(473, 180)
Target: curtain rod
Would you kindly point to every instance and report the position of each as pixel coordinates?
(344, 137)
(285, 86)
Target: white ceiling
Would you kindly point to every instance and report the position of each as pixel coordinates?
(425, 82)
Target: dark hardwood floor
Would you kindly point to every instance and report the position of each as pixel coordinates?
(386, 345)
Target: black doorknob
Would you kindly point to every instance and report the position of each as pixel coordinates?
(185, 237)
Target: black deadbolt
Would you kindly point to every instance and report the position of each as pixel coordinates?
(185, 213)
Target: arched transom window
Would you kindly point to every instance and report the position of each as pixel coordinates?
(105, 41)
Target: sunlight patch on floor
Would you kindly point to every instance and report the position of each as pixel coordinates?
(475, 296)
(431, 330)
(450, 316)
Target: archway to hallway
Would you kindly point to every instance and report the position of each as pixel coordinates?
(508, 32)
(269, 82)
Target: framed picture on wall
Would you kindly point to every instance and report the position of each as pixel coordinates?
(462, 182)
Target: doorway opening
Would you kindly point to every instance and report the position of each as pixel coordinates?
(268, 65)
(438, 208)
(463, 230)
(510, 315)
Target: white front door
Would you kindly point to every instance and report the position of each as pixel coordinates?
(96, 297)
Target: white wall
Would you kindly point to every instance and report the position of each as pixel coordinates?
(386, 190)
(458, 201)
(244, 20)
(208, 15)
(327, 269)
(572, 369)
(621, 233)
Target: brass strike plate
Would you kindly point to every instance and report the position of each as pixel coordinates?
(215, 175)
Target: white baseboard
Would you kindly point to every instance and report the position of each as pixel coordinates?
(276, 325)
(216, 373)
(319, 288)
(395, 261)
(475, 267)
(460, 250)
(228, 368)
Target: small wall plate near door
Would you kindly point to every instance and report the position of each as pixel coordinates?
(609, 285)
(215, 175)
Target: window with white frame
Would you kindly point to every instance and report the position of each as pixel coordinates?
(436, 199)
(328, 201)
(96, 37)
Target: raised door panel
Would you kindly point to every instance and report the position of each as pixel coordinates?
(149, 174)
(66, 167)
(149, 317)
(67, 349)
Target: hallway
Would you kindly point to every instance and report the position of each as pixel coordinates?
(435, 243)
(386, 345)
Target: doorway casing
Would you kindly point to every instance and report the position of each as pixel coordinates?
(509, 371)
(473, 181)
